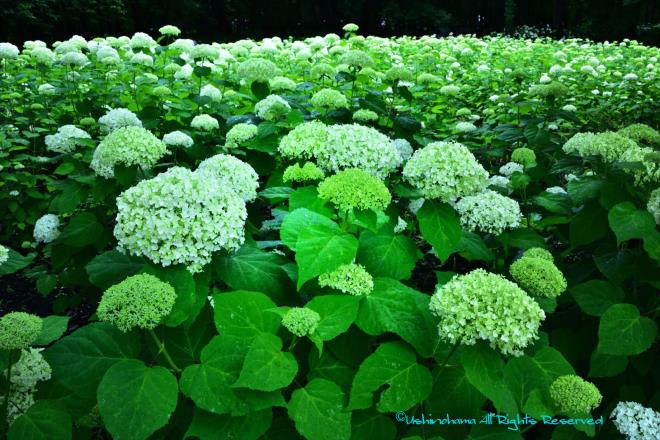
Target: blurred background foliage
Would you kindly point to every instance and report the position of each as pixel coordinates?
(228, 20)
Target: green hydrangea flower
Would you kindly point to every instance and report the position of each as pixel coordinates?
(489, 211)
(574, 396)
(303, 141)
(482, 305)
(231, 172)
(398, 73)
(139, 301)
(322, 70)
(281, 83)
(642, 134)
(653, 205)
(127, 146)
(354, 188)
(18, 330)
(537, 252)
(239, 134)
(364, 115)
(301, 321)
(349, 278)
(538, 276)
(608, 145)
(4, 254)
(554, 89)
(328, 99)
(356, 59)
(650, 169)
(308, 172)
(258, 69)
(524, 156)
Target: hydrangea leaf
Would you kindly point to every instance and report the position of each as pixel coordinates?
(266, 366)
(46, 420)
(327, 366)
(523, 375)
(384, 254)
(628, 222)
(209, 426)
(80, 359)
(82, 229)
(584, 189)
(337, 314)
(440, 227)
(308, 197)
(185, 305)
(472, 247)
(595, 296)
(454, 394)
(135, 400)
(111, 267)
(624, 332)
(368, 425)
(395, 365)
(297, 220)
(243, 315)
(394, 307)
(318, 411)
(53, 328)
(606, 365)
(321, 249)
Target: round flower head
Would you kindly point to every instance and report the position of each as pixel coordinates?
(537, 252)
(450, 90)
(554, 89)
(301, 321)
(4, 254)
(140, 40)
(427, 78)
(445, 171)
(169, 30)
(465, 127)
(403, 149)
(653, 205)
(650, 167)
(511, 167)
(258, 69)
(43, 55)
(482, 305)
(212, 92)
(30, 369)
(128, 146)
(354, 188)
(239, 134)
(322, 70)
(574, 396)
(489, 212)
(398, 73)
(204, 52)
(348, 278)
(608, 145)
(282, 83)
(357, 59)
(178, 139)
(231, 173)
(46, 89)
(642, 134)
(66, 139)
(18, 330)
(205, 123)
(328, 99)
(364, 115)
(179, 217)
(272, 107)
(139, 301)
(636, 422)
(8, 51)
(309, 172)
(538, 276)
(119, 117)
(351, 27)
(74, 59)
(46, 228)
(524, 156)
(304, 140)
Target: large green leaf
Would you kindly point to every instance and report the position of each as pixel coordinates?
(53, 328)
(454, 394)
(395, 365)
(628, 222)
(368, 425)
(15, 262)
(186, 304)
(209, 426)
(80, 359)
(321, 249)
(266, 366)
(388, 255)
(595, 296)
(624, 332)
(135, 400)
(318, 411)
(112, 267)
(297, 220)
(337, 314)
(440, 227)
(472, 247)
(45, 420)
(606, 365)
(394, 307)
(243, 315)
(82, 229)
(588, 225)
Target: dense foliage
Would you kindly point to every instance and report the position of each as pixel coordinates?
(319, 237)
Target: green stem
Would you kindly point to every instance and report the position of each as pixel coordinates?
(162, 349)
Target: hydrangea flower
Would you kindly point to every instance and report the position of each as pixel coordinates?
(489, 212)
(304, 140)
(66, 139)
(328, 99)
(348, 278)
(74, 59)
(301, 321)
(169, 30)
(636, 422)
(537, 252)
(282, 83)
(214, 94)
(524, 156)
(465, 127)
(30, 369)
(308, 172)
(556, 190)
(608, 145)
(43, 55)
(403, 148)
(357, 59)
(178, 139)
(184, 73)
(499, 181)
(569, 108)
(511, 167)
(450, 89)
(46, 89)
(46, 228)
(398, 73)
(141, 301)
(482, 305)
(4, 254)
(650, 169)
(128, 146)
(204, 52)
(351, 27)
(642, 134)
(653, 205)
(445, 171)
(538, 276)
(8, 51)
(239, 134)
(258, 69)
(355, 188)
(18, 330)
(140, 40)
(231, 173)
(364, 115)
(118, 118)
(204, 122)
(179, 217)
(574, 396)
(272, 107)
(322, 70)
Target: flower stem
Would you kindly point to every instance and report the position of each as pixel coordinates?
(162, 349)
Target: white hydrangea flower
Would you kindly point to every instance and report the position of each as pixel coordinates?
(119, 117)
(465, 127)
(128, 146)
(232, 173)
(184, 73)
(74, 59)
(46, 89)
(501, 181)
(30, 369)
(204, 122)
(511, 167)
(569, 108)
(212, 92)
(556, 190)
(489, 212)
(46, 228)
(636, 422)
(403, 148)
(140, 40)
(4, 254)
(400, 226)
(272, 107)
(8, 51)
(65, 140)
(178, 139)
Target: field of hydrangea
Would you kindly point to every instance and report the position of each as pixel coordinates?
(341, 237)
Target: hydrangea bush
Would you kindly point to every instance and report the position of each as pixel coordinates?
(306, 238)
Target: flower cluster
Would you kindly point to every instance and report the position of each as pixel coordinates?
(537, 252)
(304, 140)
(179, 217)
(178, 139)
(127, 146)
(204, 122)
(653, 205)
(398, 73)
(328, 99)
(482, 305)
(231, 173)
(489, 212)
(524, 156)
(140, 40)
(348, 278)
(66, 139)
(4, 254)
(642, 134)
(258, 69)
(511, 167)
(309, 172)
(301, 321)
(636, 422)
(169, 30)
(281, 83)
(239, 134)
(141, 301)
(364, 115)
(204, 52)
(608, 145)
(46, 228)
(272, 107)
(213, 93)
(574, 396)
(30, 369)
(357, 59)
(18, 330)
(8, 51)
(650, 167)
(445, 171)
(465, 127)
(355, 189)
(118, 118)
(538, 276)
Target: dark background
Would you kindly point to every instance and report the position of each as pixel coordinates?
(228, 20)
